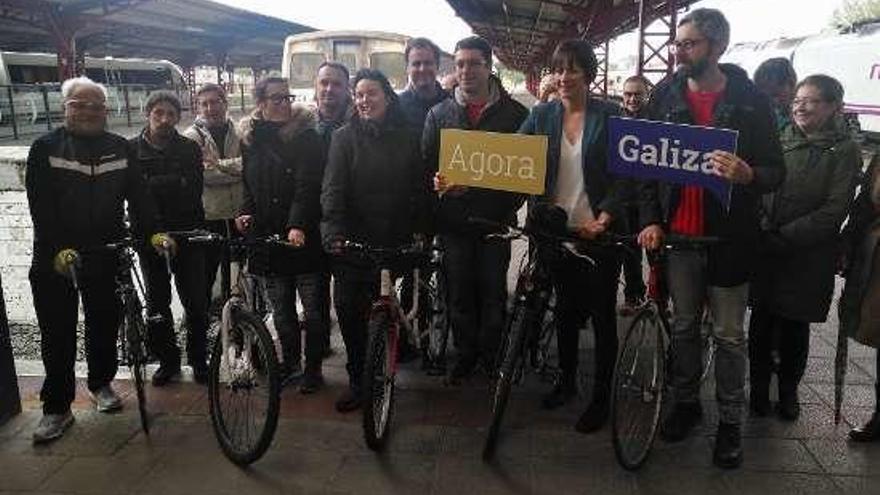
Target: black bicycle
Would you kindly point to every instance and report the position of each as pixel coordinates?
(640, 374)
(530, 328)
(132, 297)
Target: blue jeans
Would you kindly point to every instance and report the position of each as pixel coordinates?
(690, 290)
(282, 290)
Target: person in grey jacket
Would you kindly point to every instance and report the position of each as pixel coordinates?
(216, 134)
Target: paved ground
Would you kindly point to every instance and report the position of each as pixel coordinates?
(436, 444)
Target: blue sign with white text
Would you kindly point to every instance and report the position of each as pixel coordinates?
(676, 153)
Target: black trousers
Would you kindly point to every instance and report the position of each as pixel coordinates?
(476, 271)
(218, 257)
(354, 290)
(188, 268)
(585, 291)
(794, 347)
(56, 303)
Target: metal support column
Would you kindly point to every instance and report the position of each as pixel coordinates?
(600, 83)
(656, 61)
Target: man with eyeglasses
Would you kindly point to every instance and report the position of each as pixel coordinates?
(476, 266)
(79, 178)
(635, 95)
(702, 92)
(216, 135)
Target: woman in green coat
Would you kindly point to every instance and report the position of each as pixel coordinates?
(794, 280)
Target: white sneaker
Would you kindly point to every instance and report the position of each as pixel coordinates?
(105, 399)
(52, 427)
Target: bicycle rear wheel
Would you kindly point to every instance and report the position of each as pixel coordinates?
(135, 331)
(243, 389)
(378, 387)
(510, 364)
(637, 394)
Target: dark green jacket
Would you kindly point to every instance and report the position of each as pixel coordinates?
(801, 223)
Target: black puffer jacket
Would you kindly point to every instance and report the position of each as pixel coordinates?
(282, 168)
(174, 175)
(77, 188)
(502, 114)
(744, 109)
(375, 188)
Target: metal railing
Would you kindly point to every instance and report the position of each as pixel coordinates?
(33, 109)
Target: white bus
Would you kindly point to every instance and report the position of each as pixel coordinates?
(303, 53)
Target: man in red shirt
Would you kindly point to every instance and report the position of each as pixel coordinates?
(702, 92)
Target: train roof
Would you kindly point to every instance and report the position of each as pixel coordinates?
(348, 33)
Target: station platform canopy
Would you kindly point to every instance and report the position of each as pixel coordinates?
(187, 32)
(525, 32)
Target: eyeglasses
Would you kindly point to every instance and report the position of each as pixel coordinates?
(93, 106)
(807, 102)
(685, 45)
(279, 99)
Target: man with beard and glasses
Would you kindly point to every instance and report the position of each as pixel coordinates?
(172, 165)
(704, 93)
(79, 178)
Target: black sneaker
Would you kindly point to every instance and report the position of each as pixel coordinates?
(789, 408)
(461, 372)
(684, 417)
(166, 374)
(200, 374)
(563, 391)
(349, 401)
(869, 432)
(594, 418)
(291, 373)
(759, 402)
(311, 383)
(728, 447)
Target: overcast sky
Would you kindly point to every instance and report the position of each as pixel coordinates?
(751, 20)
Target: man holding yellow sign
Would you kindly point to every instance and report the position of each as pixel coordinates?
(476, 267)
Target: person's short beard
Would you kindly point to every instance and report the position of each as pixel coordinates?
(695, 70)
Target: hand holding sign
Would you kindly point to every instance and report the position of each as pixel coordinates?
(732, 167)
(442, 186)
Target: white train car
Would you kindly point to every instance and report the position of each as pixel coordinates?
(304, 52)
(851, 56)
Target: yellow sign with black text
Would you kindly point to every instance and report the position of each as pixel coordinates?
(506, 162)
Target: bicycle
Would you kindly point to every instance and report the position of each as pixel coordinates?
(435, 322)
(529, 328)
(132, 295)
(640, 375)
(244, 382)
(384, 334)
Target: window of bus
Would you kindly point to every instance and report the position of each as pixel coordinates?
(393, 65)
(303, 67)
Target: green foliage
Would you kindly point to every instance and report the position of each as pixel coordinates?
(856, 11)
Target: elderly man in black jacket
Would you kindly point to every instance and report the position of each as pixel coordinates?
(476, 266)
(79, 178)
(173, 167)
(704, 93)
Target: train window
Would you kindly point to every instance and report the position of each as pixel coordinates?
(32, 74)
(393, 65)
(346, 53)
(303, 68)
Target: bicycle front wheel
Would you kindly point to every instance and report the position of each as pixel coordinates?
(135, 331)
(378, 387)
(637, 396)
(243, 389)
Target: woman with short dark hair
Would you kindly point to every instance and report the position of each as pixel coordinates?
(374, 192)
(585, 199)
(794, 280)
